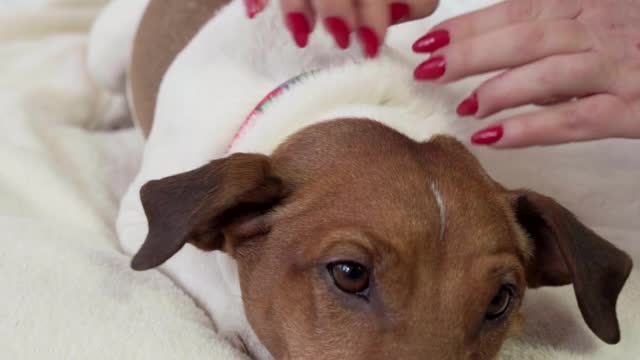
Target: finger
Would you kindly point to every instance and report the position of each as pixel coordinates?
(406, 10)
(596, 117)
(339, 19)
(254, 7)
(507, 13)
(373, 19)
(508, 47)
(633, 122)
(549, 80)
(550, 101)
(299, 19)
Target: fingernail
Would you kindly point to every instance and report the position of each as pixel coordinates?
(488, 136)
(399, 11)
(299, 27)
(468, 106)
(432, 41)
(431, 69)
(369, 40)
(339, 29)
(253, 7)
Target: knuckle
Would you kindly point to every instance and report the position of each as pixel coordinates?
(328, 7)
(522, 9)
(582, 70)
(532, 39)
(596, 70)
(555, 71)
(574, 120)
(610, 76)
(589, 116)
(576, 31)
(548, 75)
(372, 12)
(566, 35)
(491, 96)
(457, 65)
(602, 107)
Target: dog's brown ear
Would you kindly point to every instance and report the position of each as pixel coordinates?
(196, 206)
(566, 252)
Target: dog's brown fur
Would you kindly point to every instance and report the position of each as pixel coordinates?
(165, 30)
(355, 190)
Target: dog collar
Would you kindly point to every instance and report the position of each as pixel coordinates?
(264, 103)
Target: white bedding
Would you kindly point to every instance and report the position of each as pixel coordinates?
(67, 291)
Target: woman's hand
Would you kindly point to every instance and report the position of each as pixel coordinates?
(578, 58)
(368, 18)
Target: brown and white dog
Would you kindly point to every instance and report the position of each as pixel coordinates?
(348, 226)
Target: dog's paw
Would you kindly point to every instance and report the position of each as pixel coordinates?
(111, 42)
(111, 112)
(131, 224)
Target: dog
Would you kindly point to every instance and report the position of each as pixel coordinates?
(341, 218)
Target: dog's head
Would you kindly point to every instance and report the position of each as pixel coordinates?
(355, 242)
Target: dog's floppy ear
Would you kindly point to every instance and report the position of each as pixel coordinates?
(196, 206)
(566, 252)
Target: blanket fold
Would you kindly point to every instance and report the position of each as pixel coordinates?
(65, 161)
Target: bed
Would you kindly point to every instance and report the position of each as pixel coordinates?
(67, 155)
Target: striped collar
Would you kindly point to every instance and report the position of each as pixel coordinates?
(265, 102)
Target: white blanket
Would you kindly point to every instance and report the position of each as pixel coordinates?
(67, 291)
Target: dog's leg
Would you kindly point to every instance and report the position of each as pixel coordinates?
(204, 97)
(111, 43)
(109, 53)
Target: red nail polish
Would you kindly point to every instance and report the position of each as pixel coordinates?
(339, 29)
(431, 69)
(432, 41)
(253, 7)
(488, 136)
(299, 27)
(399, 11)
(369, 40)
(468, 106)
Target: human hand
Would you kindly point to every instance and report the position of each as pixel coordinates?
(369, 18)
(578, 58)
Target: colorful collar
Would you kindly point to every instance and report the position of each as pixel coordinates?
(264, 103)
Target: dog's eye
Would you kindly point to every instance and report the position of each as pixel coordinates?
(350, 277)
(501, 303)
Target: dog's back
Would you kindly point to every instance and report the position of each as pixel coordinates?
(165, 30)
(135, 42)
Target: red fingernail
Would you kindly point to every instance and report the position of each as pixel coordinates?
(488, 136)
(253, 7)
(431, 69)
(299, 27)
(339, 29)
(432, 41)
(369, 40)
(399, 11)
(468, 106)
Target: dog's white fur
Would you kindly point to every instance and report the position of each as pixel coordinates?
(210, 89)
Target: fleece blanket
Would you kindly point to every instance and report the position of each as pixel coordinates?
(67, 291)
(66, 157)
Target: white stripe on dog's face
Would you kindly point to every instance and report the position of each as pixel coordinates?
(441, 208)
